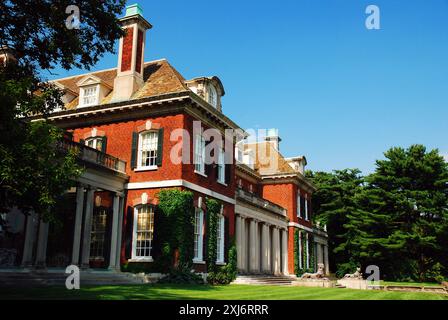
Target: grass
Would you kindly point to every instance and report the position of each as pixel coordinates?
(232, 292)
(410, 284)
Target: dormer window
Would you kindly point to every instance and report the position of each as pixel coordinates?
(92, 90)
(212, 96)
(90, 96)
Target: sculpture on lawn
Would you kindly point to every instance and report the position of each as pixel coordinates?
(320, 274)
(356, 275)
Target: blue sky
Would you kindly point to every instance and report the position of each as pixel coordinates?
(338, 93)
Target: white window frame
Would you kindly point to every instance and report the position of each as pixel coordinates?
(140, 150)
(95, 142)
(199, 155)
(307, 250)
(212, 96)
(198, 236)
(95, 96)
(220, 239)
(306, 207)
(221, 167)
(300, 251)
(134, 256)
(299, 206)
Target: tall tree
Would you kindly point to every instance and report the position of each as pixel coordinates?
(403, 215)
(334, 205)
(33, 173)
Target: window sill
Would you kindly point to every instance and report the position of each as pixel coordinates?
(198, 261)
(200, 173)
(143, 169)
(223, 183)
(148, 259)
(221, 263)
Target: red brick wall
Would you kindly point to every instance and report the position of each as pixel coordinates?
(138, 63)
(126, 54)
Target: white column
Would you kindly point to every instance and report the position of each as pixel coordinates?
(257, 245)
(264, 248)
(269, 249)
(327, 264)
(319, 253)
(276, 250)
(285, 251)
(30, 236)
(87, 229)
(238, 242)
(120, 233)
(78, 224)
(114, 234)
(42, 240)
(252, 250)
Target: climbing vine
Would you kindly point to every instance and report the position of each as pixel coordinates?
(305, 253)
(175, 228)
(213, 210)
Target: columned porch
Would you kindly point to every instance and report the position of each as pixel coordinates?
(91, 218)
(261, 236)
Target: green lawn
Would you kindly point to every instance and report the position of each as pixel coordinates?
(232, 292)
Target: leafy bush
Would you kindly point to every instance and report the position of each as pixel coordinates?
(177, 276)
(227, 273)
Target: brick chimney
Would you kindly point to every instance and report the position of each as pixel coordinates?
(131, 54)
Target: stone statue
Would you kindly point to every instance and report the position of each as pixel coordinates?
(320, 274)
(356, 275)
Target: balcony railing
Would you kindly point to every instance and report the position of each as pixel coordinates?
(94, 156)
(259, 202)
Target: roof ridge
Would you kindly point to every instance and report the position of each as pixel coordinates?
(105, 70)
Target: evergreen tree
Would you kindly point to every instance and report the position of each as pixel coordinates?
(333, 205)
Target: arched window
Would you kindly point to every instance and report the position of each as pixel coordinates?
(212, 96)
(143, 232)
(95, 143)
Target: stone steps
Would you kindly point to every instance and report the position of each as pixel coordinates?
(39, 279)
(264, 280)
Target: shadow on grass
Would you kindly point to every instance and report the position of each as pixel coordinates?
(128, 292)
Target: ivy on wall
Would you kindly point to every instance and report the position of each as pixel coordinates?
(213, 210)
(311, 252)
(175, 228)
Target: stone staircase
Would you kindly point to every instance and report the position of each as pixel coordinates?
(269, 280)
(34, 279)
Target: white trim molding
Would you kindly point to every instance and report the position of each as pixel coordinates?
(179, 183)
(297, 225)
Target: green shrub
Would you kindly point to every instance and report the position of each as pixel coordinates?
(178, 276)
(225, 274)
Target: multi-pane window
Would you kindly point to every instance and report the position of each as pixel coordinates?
(144, 231)
(98, 234)
(199, 154)
(212, 96)
(148, 143)
(220, 240)
(299, 206)
(221, 167)
(198, 234)
(90, 96)
(300, 251)
(306, 207)
(95, 143)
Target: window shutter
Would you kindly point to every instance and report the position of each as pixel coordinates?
(228, 173)
(160, 148)
(208, 161)
(129, 230)
(302, 207)
(134, 150)
(104, 145)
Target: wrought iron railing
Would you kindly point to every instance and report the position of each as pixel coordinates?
(94, 156)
